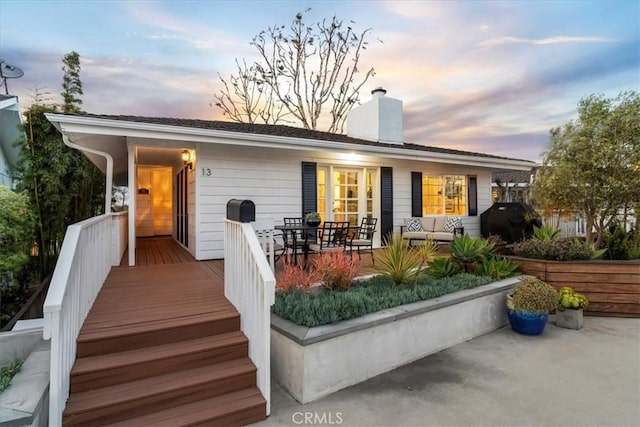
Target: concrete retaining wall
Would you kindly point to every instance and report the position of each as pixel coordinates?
(311, 363)
(26, 401)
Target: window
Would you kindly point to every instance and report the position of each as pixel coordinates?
(444, 195)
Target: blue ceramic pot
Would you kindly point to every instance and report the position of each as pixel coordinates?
(527, 322)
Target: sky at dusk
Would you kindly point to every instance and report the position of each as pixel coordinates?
(491, 77)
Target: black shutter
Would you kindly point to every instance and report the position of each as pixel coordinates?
(473, 196)
(386, 202)
(416, 193)
(309, 188)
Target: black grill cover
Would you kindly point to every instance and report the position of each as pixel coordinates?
(513, 222)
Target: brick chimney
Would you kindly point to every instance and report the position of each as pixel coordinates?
(379, 119)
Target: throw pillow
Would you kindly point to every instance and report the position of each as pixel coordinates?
(450, 224)
(413, 224)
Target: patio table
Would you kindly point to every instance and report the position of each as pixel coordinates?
(295, 232)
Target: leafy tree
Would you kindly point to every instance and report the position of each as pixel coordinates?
(71, 84)
(63, 185)
(301, 72)
(592, 166)
(16, 230)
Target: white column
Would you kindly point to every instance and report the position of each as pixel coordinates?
(132, 204)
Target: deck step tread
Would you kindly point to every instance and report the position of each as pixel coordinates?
(248, 405)
(147, 388)
(85, 365)
(115, 331)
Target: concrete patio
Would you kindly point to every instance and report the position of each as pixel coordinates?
(562, 378)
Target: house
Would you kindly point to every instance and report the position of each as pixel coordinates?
(180, 175)
(182, 172)
(512, 185)
(10, 119)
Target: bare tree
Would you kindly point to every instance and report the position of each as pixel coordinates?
(311, 69)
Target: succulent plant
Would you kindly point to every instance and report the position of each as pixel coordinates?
(568, 298)
(533, 295)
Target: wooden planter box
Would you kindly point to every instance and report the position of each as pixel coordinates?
(612, 287)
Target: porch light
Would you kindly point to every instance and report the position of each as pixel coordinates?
(186, 159)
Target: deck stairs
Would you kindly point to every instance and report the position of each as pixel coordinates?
(186, 370)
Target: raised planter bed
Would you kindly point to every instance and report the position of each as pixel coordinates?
(314, 362)
(612, 287)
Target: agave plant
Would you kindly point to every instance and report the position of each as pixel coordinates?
(397, 262)
(497, 268)
(545, 233)
(468, 251)
(442, 267)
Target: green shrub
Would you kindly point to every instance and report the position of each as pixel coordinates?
(442, 267)
(622, 244)
(568, 298)
(16, 230)
(497, 268)
(8, 372)
(398, 263)
(545, 233)
(365, 296)
(562, 249)
(532, 294)
(467, 251)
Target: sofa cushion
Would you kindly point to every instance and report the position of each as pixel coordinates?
(439, 223)
(413, 224)
(451, 223)
(427, 223)
(440, 235)
(417, 235)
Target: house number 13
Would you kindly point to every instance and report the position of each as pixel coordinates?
(206, 171)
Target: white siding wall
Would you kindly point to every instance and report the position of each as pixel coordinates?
(271, 178)
(402, 190)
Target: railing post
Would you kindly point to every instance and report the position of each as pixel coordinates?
(249, 284)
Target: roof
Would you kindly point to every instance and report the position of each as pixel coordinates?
(513, 176)
(284, 131)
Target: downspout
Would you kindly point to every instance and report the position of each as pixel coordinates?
(109, 171)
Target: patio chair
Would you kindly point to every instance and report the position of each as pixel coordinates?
(274, 248)
(293, 239)
(362, 238)
(332, 236)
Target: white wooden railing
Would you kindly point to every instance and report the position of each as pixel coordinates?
(249, 284)
(88, 252)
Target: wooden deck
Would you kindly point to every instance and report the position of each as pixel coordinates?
(162, 344)
(158, 250)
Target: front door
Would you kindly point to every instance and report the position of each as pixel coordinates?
(352, 192)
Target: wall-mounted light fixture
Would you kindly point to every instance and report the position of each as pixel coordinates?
(186, 159)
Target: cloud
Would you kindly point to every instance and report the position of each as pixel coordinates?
(526, 146)
(546, 41)
(173, 29)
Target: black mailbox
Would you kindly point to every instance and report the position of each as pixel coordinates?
(241, 210)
